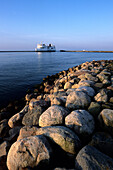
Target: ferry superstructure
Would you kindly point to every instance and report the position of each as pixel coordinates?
(45, 48)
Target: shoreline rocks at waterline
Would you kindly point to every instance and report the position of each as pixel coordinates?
(67, 122)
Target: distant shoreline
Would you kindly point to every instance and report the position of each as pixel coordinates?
(87, 51)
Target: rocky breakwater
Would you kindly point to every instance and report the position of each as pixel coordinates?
(67, 123)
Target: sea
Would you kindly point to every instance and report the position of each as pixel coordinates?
(20, 71)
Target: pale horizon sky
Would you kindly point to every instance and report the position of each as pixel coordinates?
(72, 25)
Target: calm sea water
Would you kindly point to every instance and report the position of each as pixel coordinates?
(22, 70)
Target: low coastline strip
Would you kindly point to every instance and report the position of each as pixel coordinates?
(69, 116)
(87, 51)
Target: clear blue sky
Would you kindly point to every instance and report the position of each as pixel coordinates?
(69, 24)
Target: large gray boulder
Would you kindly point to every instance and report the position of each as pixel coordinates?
(32, 116)
(29, 152)
(89, 158)
(89, 90)
(54, 115)
(77, 99)
(86, 83)
(81, 122)
(65, 138)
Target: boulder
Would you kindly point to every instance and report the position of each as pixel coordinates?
(32, 116)
(35, 102)
(67, 85)
(102, 77)
(77, 99)
(103, 142)
(29, 152)
(94, 109)
(63, 169)
(89, 90)
(54, 115)
(86, 83)
(98, 86)
(13, 134)
(4, 147)
(16, 120)
(65, 138)
(4, 128)
(27, 131)
(90, 77)
(106, 119)
(56, 101)
(101, 96)
(106, 82)
(89, 158)
(111, 99)
(70, 90)
(80, 72)
(5, 115)
(81, 122)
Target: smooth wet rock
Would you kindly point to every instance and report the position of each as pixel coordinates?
(89, 90)
(29, 152)
(32, 116)
(77, 99)
(54, 115)
(89, 158)
(16, 120)
(65, 138)
(81, 122)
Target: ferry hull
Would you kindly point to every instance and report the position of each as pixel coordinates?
(44, 50)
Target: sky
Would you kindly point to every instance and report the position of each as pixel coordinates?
(68, 24)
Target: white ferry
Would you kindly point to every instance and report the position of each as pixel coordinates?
(45, 48)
